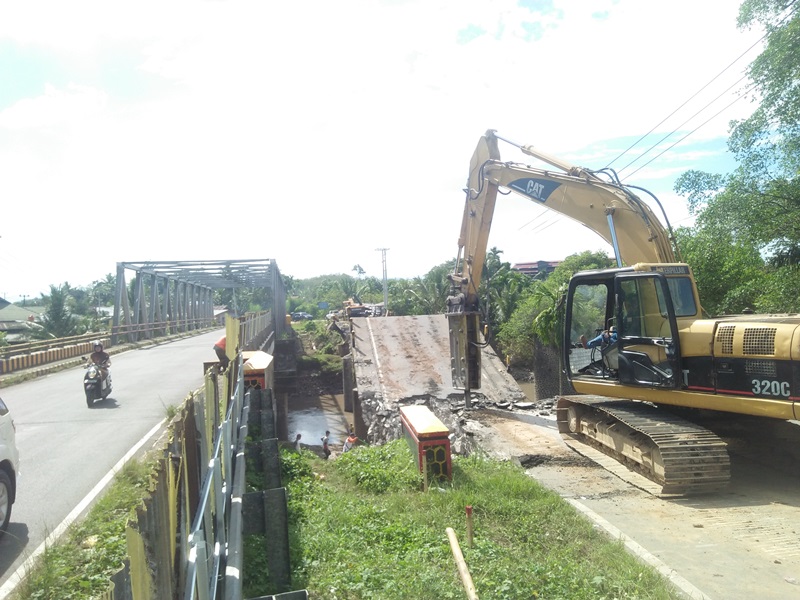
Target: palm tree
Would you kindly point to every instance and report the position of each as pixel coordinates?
(429, 293)
(57, 321)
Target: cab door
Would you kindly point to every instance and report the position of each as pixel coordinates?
(648, 341)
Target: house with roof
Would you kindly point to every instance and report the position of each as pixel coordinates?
(17, 322)
(538, 269)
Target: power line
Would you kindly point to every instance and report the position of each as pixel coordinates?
(643, 154)
(692, 97)
(687, 135)
(757, 42)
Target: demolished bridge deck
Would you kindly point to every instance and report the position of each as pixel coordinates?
(405, 358)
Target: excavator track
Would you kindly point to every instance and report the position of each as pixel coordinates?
(682, 457)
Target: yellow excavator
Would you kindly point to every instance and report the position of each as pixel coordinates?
(659, 347)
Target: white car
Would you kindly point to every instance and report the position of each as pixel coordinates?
(9, 466)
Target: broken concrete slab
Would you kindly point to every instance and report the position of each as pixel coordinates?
(405, 360)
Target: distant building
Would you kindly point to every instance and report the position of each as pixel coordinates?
(219, 314)
(17, 322)
(540, 268)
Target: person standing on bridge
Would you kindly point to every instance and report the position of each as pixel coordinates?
(219, 348)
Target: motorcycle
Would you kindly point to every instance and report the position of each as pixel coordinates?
(95, 386)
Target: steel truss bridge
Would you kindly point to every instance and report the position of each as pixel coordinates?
(169, 297)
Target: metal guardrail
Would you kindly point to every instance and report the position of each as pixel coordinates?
(38, 346)
(136, 331)
(208, 539)
(147, 330)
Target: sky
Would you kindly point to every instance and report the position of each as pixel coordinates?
(317, 133)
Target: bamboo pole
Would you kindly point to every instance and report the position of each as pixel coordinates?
(463, 571)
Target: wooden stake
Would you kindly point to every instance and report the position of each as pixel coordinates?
(463, 571)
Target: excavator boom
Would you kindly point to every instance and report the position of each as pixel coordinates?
(607, 208)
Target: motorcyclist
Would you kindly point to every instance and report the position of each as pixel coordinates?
(101, 358)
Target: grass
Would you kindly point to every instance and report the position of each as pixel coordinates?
(81, 564)
(361, 528)
(322, 347)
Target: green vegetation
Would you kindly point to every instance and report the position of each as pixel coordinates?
(537, 317)
(57, 320)
(321, 345)
(80, 565)
(745, 246)
(360, 527)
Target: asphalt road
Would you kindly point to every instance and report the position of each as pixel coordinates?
(66, 448)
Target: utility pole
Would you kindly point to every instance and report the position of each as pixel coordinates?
(385, 284)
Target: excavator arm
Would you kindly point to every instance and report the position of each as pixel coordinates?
(604, 206)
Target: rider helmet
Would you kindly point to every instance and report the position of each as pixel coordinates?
(97, 345)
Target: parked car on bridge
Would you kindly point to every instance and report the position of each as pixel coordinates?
(301, 316)
(9, 466)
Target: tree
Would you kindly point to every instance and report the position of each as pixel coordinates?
(767, 142)
(502, 289)
(57, 321)
(428, 294)
(730, 276)
(538, 318)
(104, 290)
(745, 245)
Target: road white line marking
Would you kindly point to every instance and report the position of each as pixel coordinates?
(17, 576)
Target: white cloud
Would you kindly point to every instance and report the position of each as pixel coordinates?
(55, 107)
(327, 129)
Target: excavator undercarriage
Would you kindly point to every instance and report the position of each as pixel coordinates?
(681, 456)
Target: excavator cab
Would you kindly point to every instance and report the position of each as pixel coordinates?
(639, 305)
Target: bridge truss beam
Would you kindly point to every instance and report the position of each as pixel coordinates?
(168, 297)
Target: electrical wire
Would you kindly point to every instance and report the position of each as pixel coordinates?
(650, 149)
(671, 146)
(761, 39)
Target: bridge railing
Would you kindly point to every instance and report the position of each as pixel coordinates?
(184, 540)
(42, 352)
(49, 344)
(137, 331)
(35, 354)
